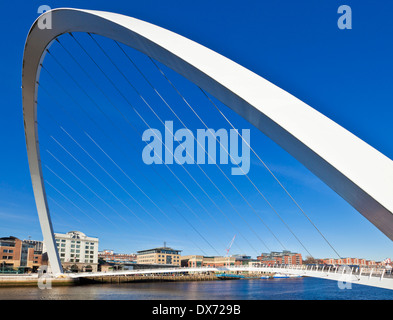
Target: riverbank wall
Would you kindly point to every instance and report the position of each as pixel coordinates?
(33, 280)
(147, 278)
(26, 281)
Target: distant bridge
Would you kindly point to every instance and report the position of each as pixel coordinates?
(365, 276)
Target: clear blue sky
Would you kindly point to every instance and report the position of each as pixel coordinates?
(344, 74)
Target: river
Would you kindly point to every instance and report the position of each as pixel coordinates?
(255, 289)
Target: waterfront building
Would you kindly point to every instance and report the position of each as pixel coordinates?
(218, 261)
(16, 254)
(207, 261)
(242, 259)
(122, 258)
(362, 262)
(351, 261)
(329, 261)
(162, 255)
(284, 257)
(77, 251)
(38, 245)
(191, 261)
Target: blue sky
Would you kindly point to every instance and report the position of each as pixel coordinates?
(344, 74)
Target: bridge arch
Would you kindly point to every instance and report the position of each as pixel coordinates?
(356, 171)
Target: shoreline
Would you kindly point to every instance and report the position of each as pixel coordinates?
(29, 281)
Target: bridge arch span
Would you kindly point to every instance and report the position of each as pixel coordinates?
(359, 173)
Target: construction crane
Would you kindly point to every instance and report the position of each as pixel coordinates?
(230, 245)
(229, 248)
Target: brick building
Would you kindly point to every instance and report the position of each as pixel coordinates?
(16, 254)
(212, 261)
(284, 257)
(350, 261)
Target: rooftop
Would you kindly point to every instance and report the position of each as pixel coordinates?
(159, 249)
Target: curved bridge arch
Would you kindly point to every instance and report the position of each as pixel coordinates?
(360, 174)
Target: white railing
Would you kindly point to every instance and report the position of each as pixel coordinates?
(259, 268)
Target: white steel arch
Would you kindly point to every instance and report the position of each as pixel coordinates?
(359, 173)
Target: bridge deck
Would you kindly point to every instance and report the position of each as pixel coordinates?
(364, 276)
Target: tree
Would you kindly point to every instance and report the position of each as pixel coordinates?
(74, 268)
(310, 260)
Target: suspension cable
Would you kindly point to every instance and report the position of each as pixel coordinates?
(221, 145)
(275, 178)
(98, 126)
(144, 100)
(142, 119)
(115, 108)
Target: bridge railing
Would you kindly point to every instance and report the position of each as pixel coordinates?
(283, 268)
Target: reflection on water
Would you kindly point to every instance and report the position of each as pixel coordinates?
(259, 289)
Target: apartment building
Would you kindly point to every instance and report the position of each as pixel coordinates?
(350, 261)
(284, 257)
(206, 261)
(16, 254)
(162, 255)
(77, 251)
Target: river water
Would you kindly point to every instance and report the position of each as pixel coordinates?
(256, 289)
